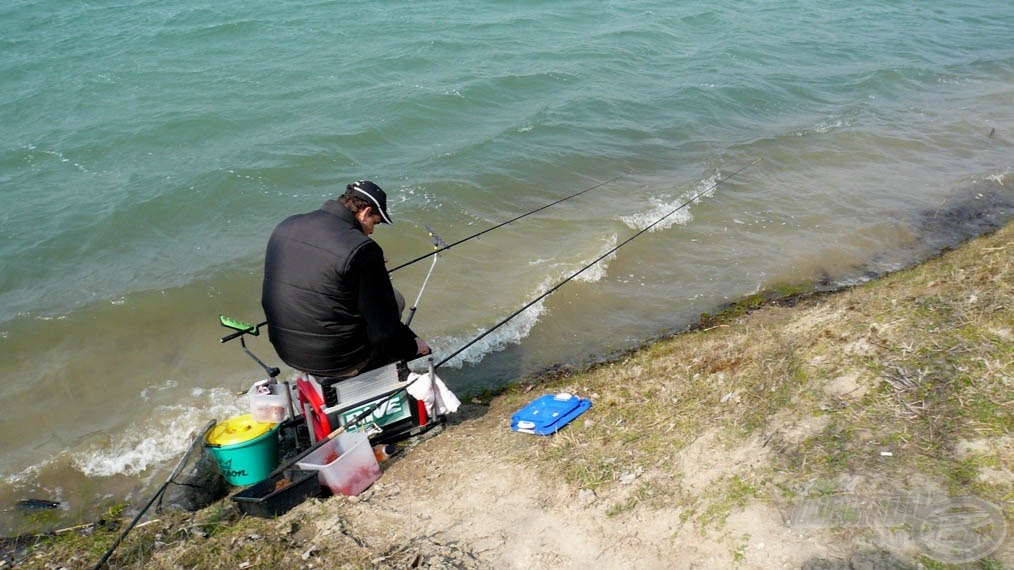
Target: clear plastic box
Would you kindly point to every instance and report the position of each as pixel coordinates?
(269, 408)
(345, 465)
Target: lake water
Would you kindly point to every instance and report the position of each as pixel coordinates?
(149, 149)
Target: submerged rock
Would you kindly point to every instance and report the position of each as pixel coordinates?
(37, 505)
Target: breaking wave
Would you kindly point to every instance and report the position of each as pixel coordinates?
(598, 271)
(668, 211)
(665, 213)
(512, 332)
(163, 438)
(520, 326)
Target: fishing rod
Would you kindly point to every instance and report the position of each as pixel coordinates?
(432, 367)
(588, 266)
(446, 246)
(365, 413)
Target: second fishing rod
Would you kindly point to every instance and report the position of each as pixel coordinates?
(368, 411)
(439, 246)
(433, 366)
(554, 288)
(443, 246)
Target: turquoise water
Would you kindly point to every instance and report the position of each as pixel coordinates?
(149, 148)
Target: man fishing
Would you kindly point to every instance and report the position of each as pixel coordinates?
(330, 306)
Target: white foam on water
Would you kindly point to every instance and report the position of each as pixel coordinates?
(825, 127)
(999, 178)
(519, 327)
(667, 211)
(512, 332)
(27, 474)
(664, 213)
(599, 270)
(168, 385)
(162, 439)
(660, 207)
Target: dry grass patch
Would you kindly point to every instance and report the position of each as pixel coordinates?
(893, 374)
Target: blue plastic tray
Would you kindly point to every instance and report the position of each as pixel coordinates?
(547, 414)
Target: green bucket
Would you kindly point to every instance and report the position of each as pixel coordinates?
(246, 451)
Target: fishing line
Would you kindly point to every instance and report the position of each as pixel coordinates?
(362, 416)
(369, 410)
(502, 224)
(586, 267)
(243, 328)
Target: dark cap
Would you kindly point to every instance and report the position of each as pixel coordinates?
(373, 193)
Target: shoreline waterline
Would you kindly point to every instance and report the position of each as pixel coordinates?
(963, 223)
(508, 445)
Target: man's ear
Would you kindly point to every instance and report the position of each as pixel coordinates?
(364, 213)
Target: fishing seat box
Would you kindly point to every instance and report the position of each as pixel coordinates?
(343, 400)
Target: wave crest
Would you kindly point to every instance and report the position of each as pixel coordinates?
(667, 212)
(164, 438)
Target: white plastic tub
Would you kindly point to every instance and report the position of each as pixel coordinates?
(345, 465)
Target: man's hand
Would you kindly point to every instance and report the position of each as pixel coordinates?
(422, 349)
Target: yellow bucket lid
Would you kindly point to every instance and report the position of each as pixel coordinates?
(237, 430)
